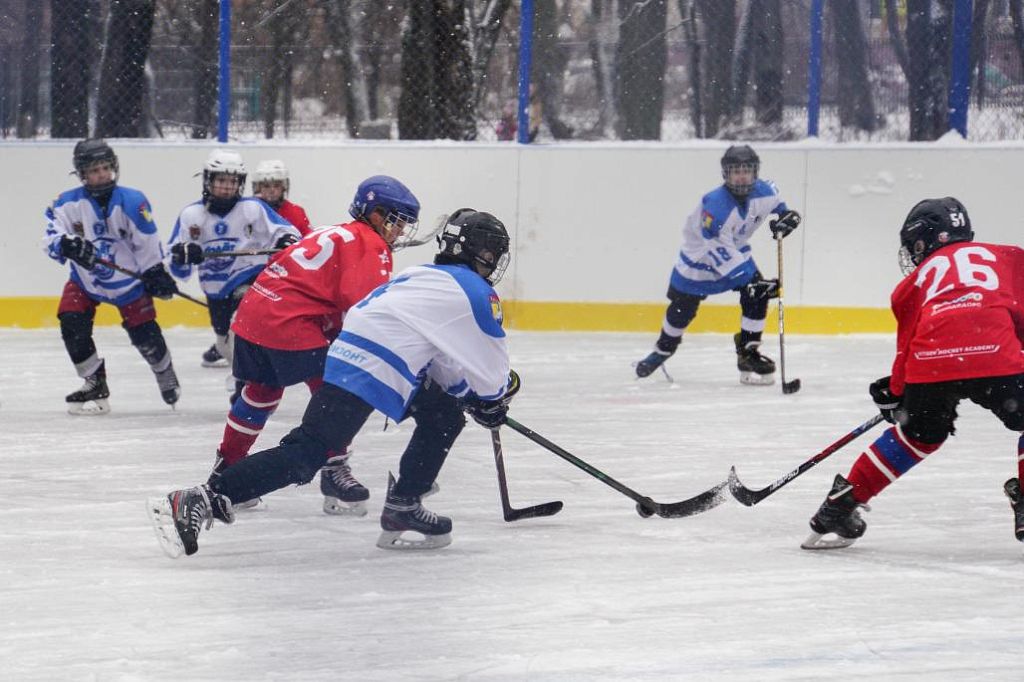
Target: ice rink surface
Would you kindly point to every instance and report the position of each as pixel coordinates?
(933, 591)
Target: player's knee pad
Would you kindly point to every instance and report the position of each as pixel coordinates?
(149, 341)
(76, 330)
(682, 308)
(927, 428)
(754, 307)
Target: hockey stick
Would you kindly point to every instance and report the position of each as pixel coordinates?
(645, 506)
(793, 386)
(237, 254)
(510, 512)
(749, 497)
(125, 271)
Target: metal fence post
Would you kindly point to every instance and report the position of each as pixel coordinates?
(960, 73)
(525, 57)
(814, 68)
(224, 80)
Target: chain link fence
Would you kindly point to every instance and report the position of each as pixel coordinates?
(442, 69)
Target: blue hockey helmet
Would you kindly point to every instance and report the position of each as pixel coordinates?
(394, 201)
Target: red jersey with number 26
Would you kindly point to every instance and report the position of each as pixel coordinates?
(299, 300)
(960, 315)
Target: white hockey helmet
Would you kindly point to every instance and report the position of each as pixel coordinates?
(272, 170)
(227, 162)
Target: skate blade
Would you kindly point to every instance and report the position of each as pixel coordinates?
(90, 408)
(392, 539)
(336, 507)
(216, 364)
(819, 541)
(256, 504)
(160, 515)
(755, 379)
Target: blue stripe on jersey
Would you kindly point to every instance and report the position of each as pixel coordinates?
(695, 265)
(363, 384)
(895, 452)
(124, 299)
(736, 278)
(381, 352)
(461, 387)
(241, 277)
(479, 293)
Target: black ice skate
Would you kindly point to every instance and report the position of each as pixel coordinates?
(402, 514)
(178, 518)
(91, 398)
(219, 465)
(755, 369)
(1012, 490)
(838, 516)
(343, 494)
(648, 365)
(167, 381)
(213, 358)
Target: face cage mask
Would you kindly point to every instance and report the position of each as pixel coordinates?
(906, 261)
(107, 187)
(391, 222)
(740, 190)
(499, 269)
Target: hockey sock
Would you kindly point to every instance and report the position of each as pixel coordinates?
(89, 366)
(149, 341)
(748, 337)
(1020, 458)
(668, 342)
(248, 416)
(889, 457)
(76, 330)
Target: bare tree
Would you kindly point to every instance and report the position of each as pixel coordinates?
(74, 39)
(711, 32)
(640, 73)
(342, 27)
(549, 62)
(285, 27)
(205, 14)
(28, 99)
(122, 72)
(856, 104)
(928, 36)
(605, 26)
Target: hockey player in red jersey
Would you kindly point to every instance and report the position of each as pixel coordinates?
(270, 182)
(294, 310)
(960, 317)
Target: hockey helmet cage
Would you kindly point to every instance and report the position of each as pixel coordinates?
(477, 239)
(930, 225)
(91, 151)
(395, 202)
(740, 156)
(272, 170)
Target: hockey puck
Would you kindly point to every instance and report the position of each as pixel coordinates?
(643, 511)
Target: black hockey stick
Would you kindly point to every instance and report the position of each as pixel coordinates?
(510, 512)
(793, 386)
(125, 271)
(645, 506)
(749, 497)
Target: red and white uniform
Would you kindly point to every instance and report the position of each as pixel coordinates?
(299, 300)
(960, 315)
(296, 215)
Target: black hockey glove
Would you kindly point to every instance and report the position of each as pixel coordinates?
(885, 401)
(784, 224)
(79, 250)
(763, 289)
(157, 282)
(491, 414)
(285, 241)
(188, 253)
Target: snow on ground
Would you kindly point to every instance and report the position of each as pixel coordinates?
(933, 591)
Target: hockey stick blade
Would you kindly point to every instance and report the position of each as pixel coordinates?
(536, 511)
(790, 387)
(509, 512)
(709, 499)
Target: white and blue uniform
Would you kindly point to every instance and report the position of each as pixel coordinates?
(441, 322)
(250, 224)
(124, 234)
(715, 254)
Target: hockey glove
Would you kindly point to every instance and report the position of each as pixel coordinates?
(188, 253)
(763, 289)
(79, 250)
(157, 282)
(491, 414)
(784, 224)
(285, 241)
(885, 401)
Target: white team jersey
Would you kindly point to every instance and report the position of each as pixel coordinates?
(250, 224)
(441, 322)
(715, 254)
(124, 234)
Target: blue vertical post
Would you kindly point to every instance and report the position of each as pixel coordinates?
(525, 58)
(224, 77)
(960, 73)
(814, 68)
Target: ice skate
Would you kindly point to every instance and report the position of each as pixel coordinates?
(91, 398)
(652, 362)
(179, 517)
(755, 369)
(219, 465)
(838, 516)
(1012, 490)
(343, 494)
(213, 358)
(407, 514)
(167, 381)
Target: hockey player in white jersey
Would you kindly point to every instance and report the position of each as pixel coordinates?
(225, 221)
(104, 220)
(715, 257)
(427, 345)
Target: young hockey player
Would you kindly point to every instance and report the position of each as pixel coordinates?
(224, 221)
(424, 346)
(294, 310)
(960, 317)
(270, 182)
(715, 257)
(104, 220)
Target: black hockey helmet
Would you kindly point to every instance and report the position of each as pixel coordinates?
(91, 151)
(477, 239)
(929, 226)
(740, 156)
